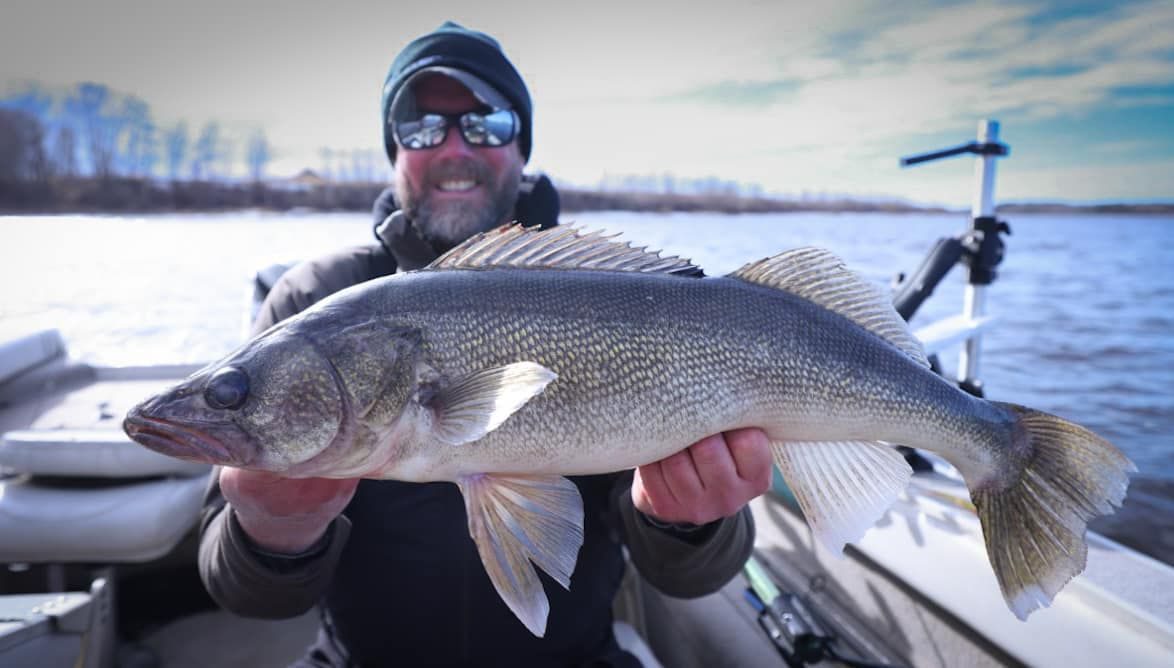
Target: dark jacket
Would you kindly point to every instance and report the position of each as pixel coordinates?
(397, 576)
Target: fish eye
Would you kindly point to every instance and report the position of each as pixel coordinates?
(227, 389)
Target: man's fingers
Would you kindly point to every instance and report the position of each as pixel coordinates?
(713, 463)
(261, 492)
(657, 499)
(750, 450)
(680, 476)
(713, 478)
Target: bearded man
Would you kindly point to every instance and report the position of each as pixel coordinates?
(390, 565)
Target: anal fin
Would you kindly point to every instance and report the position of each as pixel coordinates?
(844, 487)
(519, 519)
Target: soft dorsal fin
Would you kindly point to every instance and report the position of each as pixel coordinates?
(820, 277)
(561, 247)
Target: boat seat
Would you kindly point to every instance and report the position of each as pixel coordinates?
(131, 522)
(102, 453)
(92, 495)
(86, 452)
(20, 355)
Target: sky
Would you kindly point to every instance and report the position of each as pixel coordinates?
(797, 97)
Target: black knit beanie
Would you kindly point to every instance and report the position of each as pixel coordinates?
(452, 45)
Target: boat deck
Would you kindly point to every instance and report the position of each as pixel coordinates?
(218, 638)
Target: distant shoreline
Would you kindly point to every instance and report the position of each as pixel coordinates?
(1056, 207)
(130, 195)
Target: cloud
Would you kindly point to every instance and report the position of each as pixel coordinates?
(739, 93)
(862, 90)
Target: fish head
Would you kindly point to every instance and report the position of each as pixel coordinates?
(270, 405)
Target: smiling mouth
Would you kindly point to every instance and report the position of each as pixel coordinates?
(456, 185)
(181, 441)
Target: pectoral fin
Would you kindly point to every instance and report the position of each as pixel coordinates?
(518, 519)
(477, 404)
(843, 488)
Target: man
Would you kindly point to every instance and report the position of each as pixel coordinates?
(391, 565)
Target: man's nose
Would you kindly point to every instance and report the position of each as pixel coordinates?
(454, 144)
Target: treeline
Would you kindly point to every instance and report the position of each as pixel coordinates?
(1111, 207)
(727, 201)
(90, 148)
(123, 194)
(93, 132)
(131, 195)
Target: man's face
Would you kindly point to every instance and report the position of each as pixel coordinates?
(455, 190)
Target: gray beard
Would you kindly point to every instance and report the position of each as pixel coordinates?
(447, 225)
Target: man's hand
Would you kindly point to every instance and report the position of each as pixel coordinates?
(713, 478)
(285, 515)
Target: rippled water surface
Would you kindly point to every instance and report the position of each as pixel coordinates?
(1086, 303)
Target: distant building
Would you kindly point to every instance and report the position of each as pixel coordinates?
(304, 181)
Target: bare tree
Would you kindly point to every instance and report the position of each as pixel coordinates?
(257, 155)
(136, 118)
(36, 103)
(148, 149)
(100, 131)
(358, 170)
(176, 143)
(327, 157)
(206, 152)
(225, 160)
(22, 152)
(65, 151)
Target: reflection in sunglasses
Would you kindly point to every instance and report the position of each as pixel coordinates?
(496, 128)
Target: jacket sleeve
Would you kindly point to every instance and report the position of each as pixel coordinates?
(685, 565)
(244, 580)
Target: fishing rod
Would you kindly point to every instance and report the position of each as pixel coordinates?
(980, 247)
(797, 631)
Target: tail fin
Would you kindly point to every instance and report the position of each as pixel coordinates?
(1034, 529)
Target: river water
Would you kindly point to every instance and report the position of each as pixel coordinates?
(1085, 303)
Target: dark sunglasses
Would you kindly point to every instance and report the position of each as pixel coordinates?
(496, 128)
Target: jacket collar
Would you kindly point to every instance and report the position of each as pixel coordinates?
(405, 243)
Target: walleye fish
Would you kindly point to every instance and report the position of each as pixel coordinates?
(523, 356)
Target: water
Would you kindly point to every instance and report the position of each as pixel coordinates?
(1086, 303)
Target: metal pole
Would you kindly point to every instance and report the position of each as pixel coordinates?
(974, 299)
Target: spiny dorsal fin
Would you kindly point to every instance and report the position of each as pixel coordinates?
(562, 247)
(819, 276)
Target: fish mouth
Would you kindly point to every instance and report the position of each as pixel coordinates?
(191, 442)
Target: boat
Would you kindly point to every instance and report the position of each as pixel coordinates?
(98, 538)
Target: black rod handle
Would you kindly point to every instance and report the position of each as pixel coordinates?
(989, 148)
(937, 155)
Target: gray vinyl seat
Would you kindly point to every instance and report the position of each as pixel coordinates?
(56, 509)
(104, 453)
(73, 487)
